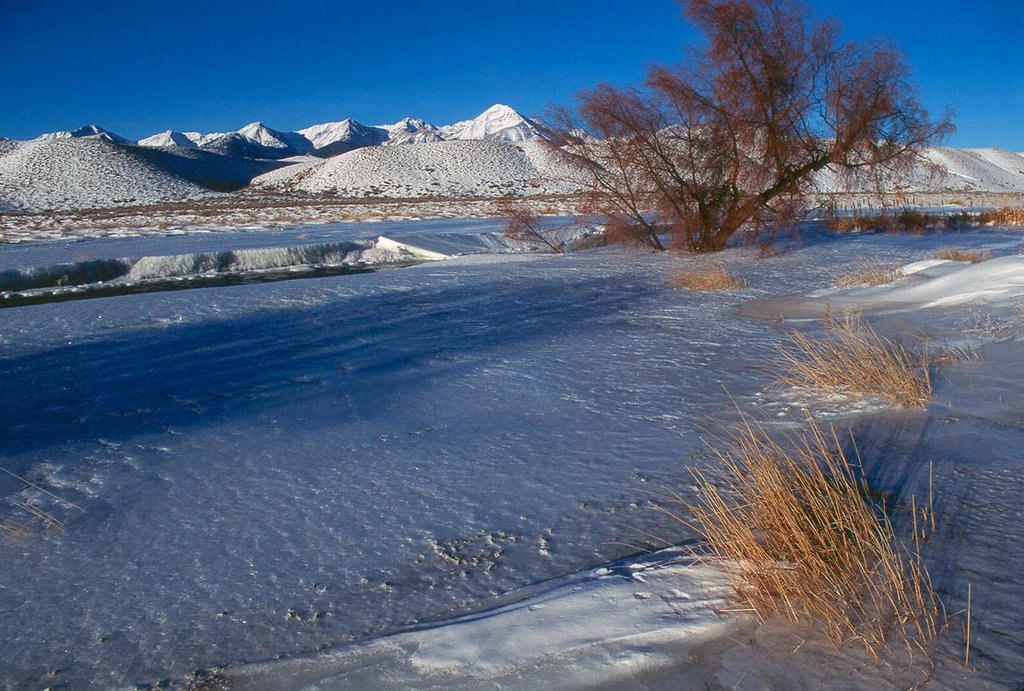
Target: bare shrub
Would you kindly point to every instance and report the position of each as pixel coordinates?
(522, 223)
(853, 360)
(711, 277)
(959, 255)
(729, 141)
(870, 272)
(795, 528)
(1007, 216)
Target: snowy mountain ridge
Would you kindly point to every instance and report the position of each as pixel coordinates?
(257, 140)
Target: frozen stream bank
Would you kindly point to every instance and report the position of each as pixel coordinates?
(270, 470)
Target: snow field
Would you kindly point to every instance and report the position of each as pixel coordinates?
(300, 469)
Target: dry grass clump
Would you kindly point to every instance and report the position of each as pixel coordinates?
(709, 277)
(1007, 216)
(793, 526)
(870, 272)
(29, 515)
(959, 255)
(853, 360)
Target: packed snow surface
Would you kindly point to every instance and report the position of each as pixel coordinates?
(429, 477)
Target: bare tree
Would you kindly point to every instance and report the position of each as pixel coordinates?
(730, 140)
(523, 223)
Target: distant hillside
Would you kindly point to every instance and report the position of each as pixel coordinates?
(433, 169)
(82, 173)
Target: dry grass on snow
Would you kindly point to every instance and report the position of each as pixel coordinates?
(853, 360)
(796, 530)
(870, 272)
(959, 255)
(711, 277)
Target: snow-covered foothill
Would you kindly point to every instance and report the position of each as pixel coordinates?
(943, 169)
(436, 169)
(81, 173)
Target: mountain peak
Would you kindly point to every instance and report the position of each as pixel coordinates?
(87, 132)
(498, 122)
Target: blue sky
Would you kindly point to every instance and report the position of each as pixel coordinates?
(139, 67)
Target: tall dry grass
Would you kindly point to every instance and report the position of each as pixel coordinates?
(28, 515)
(710, 277)
(870, 272)
(960, 255)
(794, 526)
(853, 360)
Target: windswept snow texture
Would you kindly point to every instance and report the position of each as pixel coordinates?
(438, 169)
(312, 468)
(79, 173)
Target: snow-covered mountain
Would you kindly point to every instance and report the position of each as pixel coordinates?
(499, 122)
(331, 138)
(85, 132)
(256, 140)
(411, 131)
(498, 152)
(171, 138)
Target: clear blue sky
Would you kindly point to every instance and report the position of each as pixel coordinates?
(138, 67)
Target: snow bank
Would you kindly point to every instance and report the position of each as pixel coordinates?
(926, 283)
(612, 624)
(89, 274)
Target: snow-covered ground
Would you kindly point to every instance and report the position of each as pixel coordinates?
(425, 477)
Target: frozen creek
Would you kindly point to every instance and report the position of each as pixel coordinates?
(272, 470)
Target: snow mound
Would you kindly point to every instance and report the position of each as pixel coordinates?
(82, 173)
(927, 283)
(597, 628)
(435, 169)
